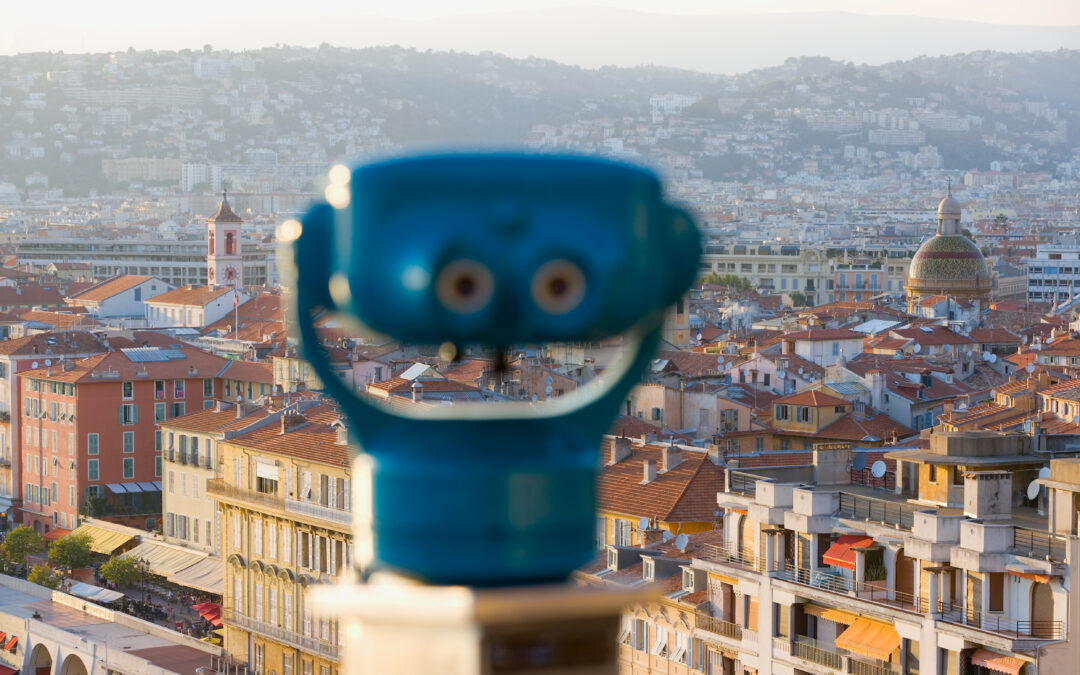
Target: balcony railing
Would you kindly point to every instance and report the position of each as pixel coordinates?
(318, 511)
(1038, 544)
(308, 644)
(719, 626)
(742, 483)
(876, 510)
(819, 653)
(999, 623)
(862, 590)
(5, 462)
(744, 557)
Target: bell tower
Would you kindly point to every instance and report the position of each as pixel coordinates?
(224, 262)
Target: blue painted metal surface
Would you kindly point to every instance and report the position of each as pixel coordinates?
(498, 249)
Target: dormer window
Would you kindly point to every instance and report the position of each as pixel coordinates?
(650, 570)
(688, 580)
(613, 559)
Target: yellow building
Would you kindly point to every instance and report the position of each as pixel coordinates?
(286, 525)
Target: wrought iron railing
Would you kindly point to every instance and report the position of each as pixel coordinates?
(954, 613)
(309, 644)
(811, 650)
(864, 591)
(742, 557)
(742, 483)
(859, 507)
(719, 626)
(1038, 544)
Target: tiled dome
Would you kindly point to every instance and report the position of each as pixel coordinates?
(947, 258)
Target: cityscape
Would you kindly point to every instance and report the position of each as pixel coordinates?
(856, 449)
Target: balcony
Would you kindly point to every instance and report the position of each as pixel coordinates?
(744, 557)
(835, 583)
(309, 644)
(742, 483)
(999, 623)
(832, 657)
(716, 625)
(318, 511)
(872, 509)
(1038, 544)
(5, 462)
(813, 651)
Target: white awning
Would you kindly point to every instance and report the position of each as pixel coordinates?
(95, 593)
(206, 575)
(266, 470)
(163, 559)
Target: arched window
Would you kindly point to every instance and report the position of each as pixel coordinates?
(210, 247)
(230, 244)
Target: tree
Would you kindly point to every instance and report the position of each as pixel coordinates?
(21, 542)
(72, 551)
(798, 299)
(42, 575)
(122, 570)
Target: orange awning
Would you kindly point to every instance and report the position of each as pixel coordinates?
(742, 511)
(870, 638)
(54, 534)
(10, 646)
(1041, 578)
(840, 553)
(839, 616)
(998, 662)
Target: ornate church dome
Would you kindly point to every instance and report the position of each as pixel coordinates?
(948, 263)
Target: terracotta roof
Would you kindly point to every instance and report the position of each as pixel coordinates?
(114, 286)
(212, 420)
(144, 338)
(813, 398)
(224, 213)
(101, 368)
(315, 441)
(467, 371)
(263, 314)
(248, 371)
(399, 385)
(825, 334)
(66, 342)
(795, 362)
(632, 427)
(994, 336)
(935, 335)
(58, 320)
(30, 295)
(190, 295)
(872, 426)
(685, 493)
(692, 364)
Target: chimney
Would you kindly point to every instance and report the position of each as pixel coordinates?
(652, 536)
(670, 456)
(292, 420)
(620, 450)
(988, 495)
(417, 392)
(650, 472)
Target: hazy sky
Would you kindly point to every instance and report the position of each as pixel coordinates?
(72, 24)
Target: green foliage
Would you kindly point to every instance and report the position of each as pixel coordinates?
(21, 542)
(798, 298)
(729, 281)
(72, 551)
(42, 575)
(122, 570)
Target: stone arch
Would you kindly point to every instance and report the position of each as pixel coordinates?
(73, 665)
(41, 661)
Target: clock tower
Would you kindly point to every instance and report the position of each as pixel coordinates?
(224, 263)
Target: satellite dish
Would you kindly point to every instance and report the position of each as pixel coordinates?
(699, 336)
(1044, 472)
(720, 361)
(986, 356)
(34, 364)
(859, 463)
(1030, 368)
(681, 542)
(534, 398)
(48, 362)
(550, 379)
(917, 348)
(643, 524)
(668, 536)
(1033, 490)
(878, 469)
(993, 358)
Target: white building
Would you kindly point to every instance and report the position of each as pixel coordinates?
(120, 296)
(1053, 275)
(192, 306)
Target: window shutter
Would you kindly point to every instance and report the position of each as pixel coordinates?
(347, 496)
(135, 414)
(120, 414)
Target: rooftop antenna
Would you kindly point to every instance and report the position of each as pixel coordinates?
(878, 469)
(681, 542)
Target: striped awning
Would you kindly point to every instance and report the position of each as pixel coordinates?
(998, 662)
(840, 553)
(163, 559)
(870, 638)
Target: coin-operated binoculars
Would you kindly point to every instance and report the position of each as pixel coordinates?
(485, 505)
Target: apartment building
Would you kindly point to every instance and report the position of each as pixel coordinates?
(1053, 275)
(189, 454)
(286, 525)
(84, 444)
(17, 356)
(964, 566)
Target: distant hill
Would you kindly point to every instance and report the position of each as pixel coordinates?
(593, 36)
